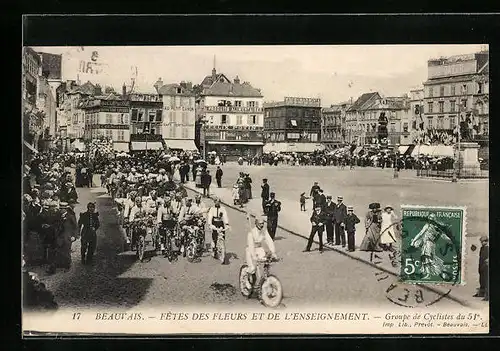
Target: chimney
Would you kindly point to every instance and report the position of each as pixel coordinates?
(158, 84)
(183, 84)
(189, 85)
(237, 80)
(124, 90)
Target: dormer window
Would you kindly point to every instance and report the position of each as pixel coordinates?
(179, 90)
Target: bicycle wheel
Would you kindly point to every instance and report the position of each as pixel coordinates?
(270, 291)
(245, 284)
(141, 248)
(191, 250)
(168, 249)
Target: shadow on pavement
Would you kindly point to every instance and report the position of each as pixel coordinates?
(100, 284)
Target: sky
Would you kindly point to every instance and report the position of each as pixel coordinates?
(333, 73)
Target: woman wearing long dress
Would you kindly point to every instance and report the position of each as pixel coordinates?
(372, 226)
(388, 228)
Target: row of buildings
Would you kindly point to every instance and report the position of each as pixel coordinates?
(230, 117)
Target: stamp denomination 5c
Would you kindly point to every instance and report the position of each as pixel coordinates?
(433, 244)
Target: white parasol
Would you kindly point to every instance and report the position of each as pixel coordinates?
(174, 159)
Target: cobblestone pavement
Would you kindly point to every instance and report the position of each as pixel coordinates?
(289, 181)
(117, 279)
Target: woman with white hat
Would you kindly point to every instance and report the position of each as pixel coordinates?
(388, 228)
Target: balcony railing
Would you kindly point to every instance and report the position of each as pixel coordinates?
(233, 109)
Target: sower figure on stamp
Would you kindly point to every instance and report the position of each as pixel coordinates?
(329, 210)
(426, 240)
(88, 225)
(273, 207)
(484, 263)
(317, 226)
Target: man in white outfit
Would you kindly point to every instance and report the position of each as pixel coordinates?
(258, 240)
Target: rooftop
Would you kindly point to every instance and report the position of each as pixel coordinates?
(362, 100)
(232, 89)
(175, 89)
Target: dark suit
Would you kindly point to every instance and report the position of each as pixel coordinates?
(264, 195)
(350, 222)
(483, 271)
(329, 209)
(318, 225)
(206, 180)
(339, 216)
(218, 177)
(273, 207)
(88, 223)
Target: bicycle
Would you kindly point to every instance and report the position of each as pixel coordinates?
(168, 235)
(267, 286)
(142, 228)
(194, 240)
(219, 251)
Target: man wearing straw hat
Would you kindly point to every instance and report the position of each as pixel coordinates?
(339, 215)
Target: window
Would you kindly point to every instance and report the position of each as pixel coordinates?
(464, 103)
(393, 127)
(172, 131)
(152, 115)
(140, 116)
(251, 103)
(173, 118)
(452, 106)
(158, 115)
(121, 135)
(109, 118)
(441, 106)
(485, 128)
(429, 123)
(184, 133)
(239, 120)
(177, 101)
(252, 120)
(452, 90)
(441, 90)
(453, 121)
(237, 103)
(224, 119)
(184, 118)
(440, 122)
(179, 90)
(429, 107)
(405, 127)
(431, 91)
(133, 115)
(479, 88)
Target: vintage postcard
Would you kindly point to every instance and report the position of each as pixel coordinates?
(286, 189)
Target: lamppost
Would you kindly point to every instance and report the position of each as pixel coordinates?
(456, 172)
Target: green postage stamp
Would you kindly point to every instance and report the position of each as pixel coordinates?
(433, 244)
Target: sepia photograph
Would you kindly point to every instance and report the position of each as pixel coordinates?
(332, 189)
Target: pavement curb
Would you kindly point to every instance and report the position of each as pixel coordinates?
(458, 300)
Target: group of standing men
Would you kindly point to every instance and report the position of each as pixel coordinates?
(336, 218)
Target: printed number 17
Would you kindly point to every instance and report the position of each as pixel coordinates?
(410, 266)
(76, 315)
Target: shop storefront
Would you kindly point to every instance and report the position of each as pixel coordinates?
(234, 143)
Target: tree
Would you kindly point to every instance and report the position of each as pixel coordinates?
(109, 90)
(197, 89)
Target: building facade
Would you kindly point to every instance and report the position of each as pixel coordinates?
(295, 120)
(232, 116)
(333, 122)
(457, 93)
(179, 115)
(362, 119)
(33, 118)
(145, 121)
(70, 114)
(107, 116)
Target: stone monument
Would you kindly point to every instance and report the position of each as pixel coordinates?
(467, 161)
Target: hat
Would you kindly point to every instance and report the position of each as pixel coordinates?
(340, 197)
(264, 180)
(328, 196)
(374, 206)
(317, 206)
(63, 205)
(350, 208)
(272, 194)
(484, 238)
(388, 206)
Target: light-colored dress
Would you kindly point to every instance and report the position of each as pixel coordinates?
(388, 228)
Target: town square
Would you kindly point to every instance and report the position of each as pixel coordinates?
(143, 189)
